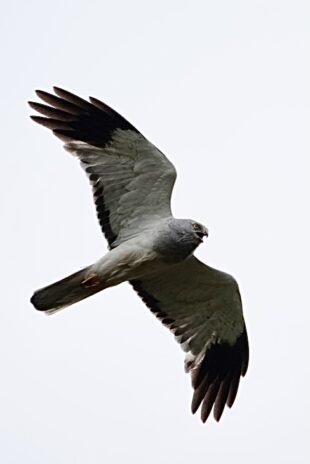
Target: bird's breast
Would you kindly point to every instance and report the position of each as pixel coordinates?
(173, 249)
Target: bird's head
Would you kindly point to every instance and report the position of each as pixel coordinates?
(189, 230)
(199, 230)
(179, 238)
(182, 236)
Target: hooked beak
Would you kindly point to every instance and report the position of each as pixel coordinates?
(205, 233)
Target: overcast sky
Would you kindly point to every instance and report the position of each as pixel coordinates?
(222, 88)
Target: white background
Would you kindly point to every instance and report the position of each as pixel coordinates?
(223, 89)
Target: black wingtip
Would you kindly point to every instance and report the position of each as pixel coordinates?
(91, 121)
(63, 135)
(53, 124)
(217, 379)
(32, 104)
(41, 93)
(56, 89)
(35, 118)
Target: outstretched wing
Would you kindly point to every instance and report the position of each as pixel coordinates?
(202, 307)
(132, 180)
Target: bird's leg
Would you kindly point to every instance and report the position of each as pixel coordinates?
(92, 280)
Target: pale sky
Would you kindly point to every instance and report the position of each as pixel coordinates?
(222, 88)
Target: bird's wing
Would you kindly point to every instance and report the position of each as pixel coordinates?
(202, 307)
(132, 180)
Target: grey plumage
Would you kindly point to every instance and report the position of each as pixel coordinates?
(177, 240)
(63, 293)
(132, 183)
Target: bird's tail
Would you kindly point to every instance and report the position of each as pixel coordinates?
(67, 291)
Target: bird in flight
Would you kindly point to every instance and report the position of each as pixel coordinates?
(132, 183)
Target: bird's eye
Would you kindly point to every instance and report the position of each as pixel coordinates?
(196, 227)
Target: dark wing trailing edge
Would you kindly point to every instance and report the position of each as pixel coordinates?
(103, 213)
(132, 180)
(72, 118)
(216, 364)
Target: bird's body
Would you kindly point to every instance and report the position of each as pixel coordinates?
(153, 251)
(132, 184)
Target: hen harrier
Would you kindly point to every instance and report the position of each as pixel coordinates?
(132, 184)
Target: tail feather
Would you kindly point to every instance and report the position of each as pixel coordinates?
(64, 293)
